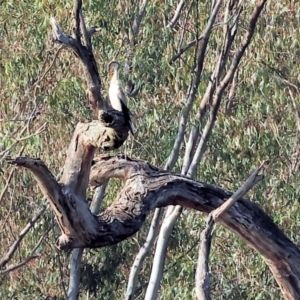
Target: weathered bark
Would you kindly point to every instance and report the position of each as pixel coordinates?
(147, 187)
(202, 272)
(114, 131)
(202, 278)
(83, 50)
(106, 134)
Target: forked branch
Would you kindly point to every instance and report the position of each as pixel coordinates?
(202, 272)
(80, 43)
(85, 53)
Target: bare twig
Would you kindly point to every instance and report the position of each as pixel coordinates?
(175, 18)
(202, 272)
(222, 86)
(253, 179)
(18, 139)
(184, 49)
(202, 279)
(6, 187)
(194, 86)
(184, 25)
(294, 88)
(51, 65)
(7, 183)
(18, 265)
(22, 234)
(29, 258)
(229, 33)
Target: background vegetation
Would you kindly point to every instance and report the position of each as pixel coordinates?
(263, 123)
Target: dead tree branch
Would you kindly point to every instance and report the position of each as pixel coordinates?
(253, 179)
(172, 213)
(223, 85)
(113, 125)
(176, 16)
(202, 271)
(85, 53)
(191, 95)
(18, 265)
(202, 277)
(16, 243)
(184, 49)
(147, 187)
(28, 259)
(76, 255)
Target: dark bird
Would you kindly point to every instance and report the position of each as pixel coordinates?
(116, 95)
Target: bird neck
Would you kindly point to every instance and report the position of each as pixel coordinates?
(115, 77)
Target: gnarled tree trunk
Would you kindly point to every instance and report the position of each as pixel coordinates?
(145, 188)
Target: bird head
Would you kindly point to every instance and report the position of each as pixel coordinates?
(113, 67)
